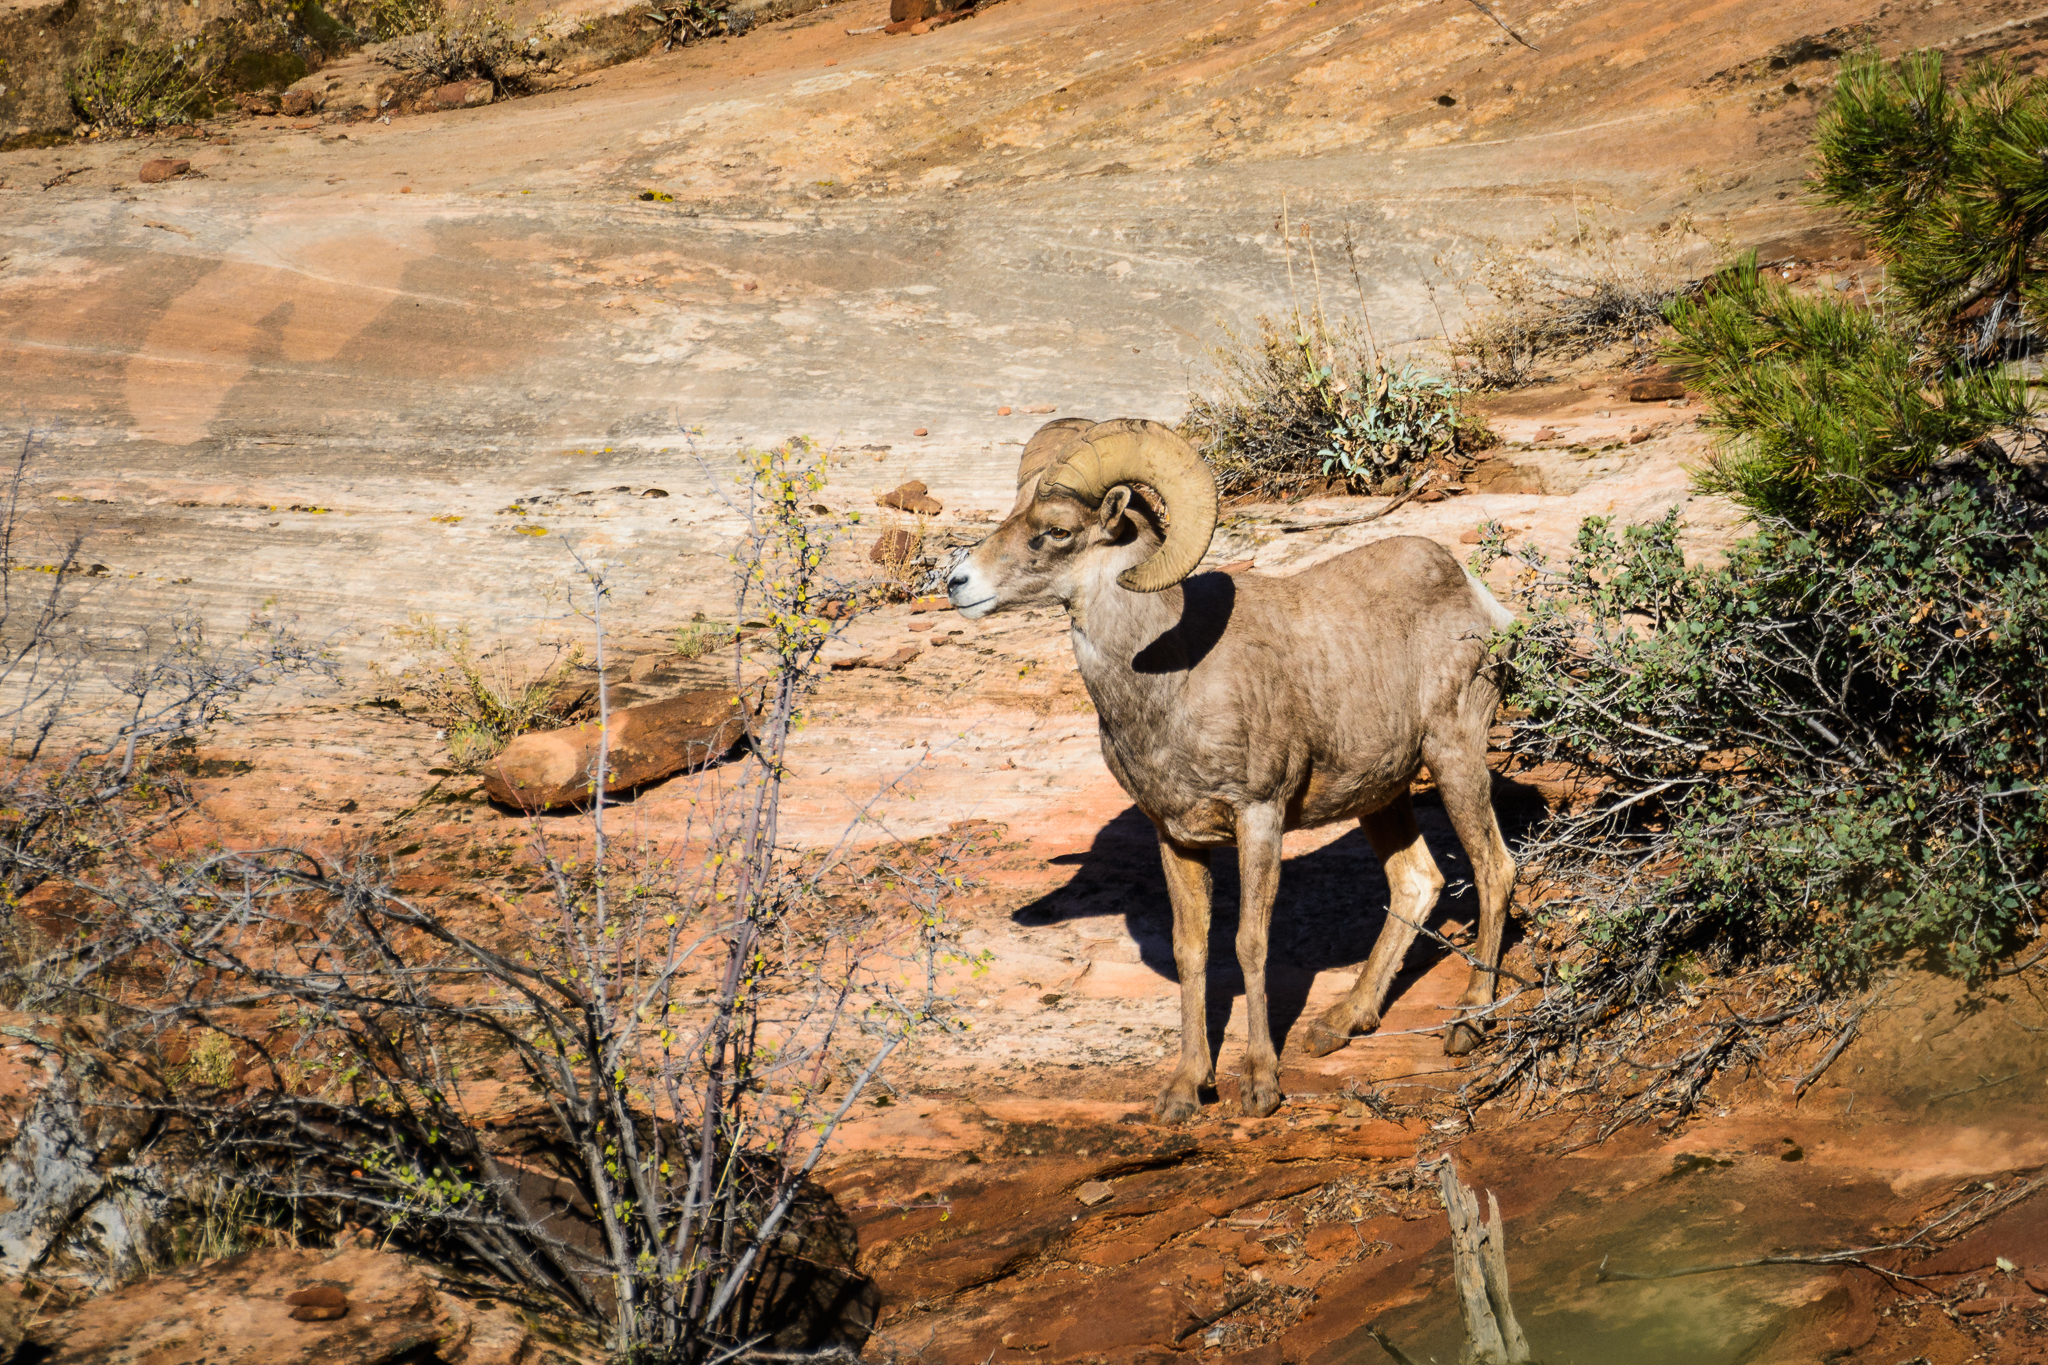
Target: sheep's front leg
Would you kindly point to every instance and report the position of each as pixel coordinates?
(1258, 871)
(1187, 882)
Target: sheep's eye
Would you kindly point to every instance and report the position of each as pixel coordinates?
(1058, 533)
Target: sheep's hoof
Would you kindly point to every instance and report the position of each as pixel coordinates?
(1462, 1039)
(1260, 1096)
(1321, 1040)
(1175, 1105)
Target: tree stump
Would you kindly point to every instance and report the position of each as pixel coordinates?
(1479, 1268)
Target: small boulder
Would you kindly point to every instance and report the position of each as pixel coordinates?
(895, 547)
(2037, 1279)
(912, 497)
(162, 169)
(461, 95)
(231, 1312)
(298, 102)
(318, 1303)
(552, 768)
(1656, 386)
(1544, 434)
(1094, 1192)
(1253, 1253)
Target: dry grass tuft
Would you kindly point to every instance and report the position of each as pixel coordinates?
(483, 700)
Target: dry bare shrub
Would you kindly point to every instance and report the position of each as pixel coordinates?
(476, 43)
(903, 558)
(690, 1023)
(1564, 295)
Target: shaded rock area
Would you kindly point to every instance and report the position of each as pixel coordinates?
(295, 1307)
(41, 40)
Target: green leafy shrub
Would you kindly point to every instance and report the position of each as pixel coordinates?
(1819, 751)
(1823, 402)
(1307, 401)
(154, 80)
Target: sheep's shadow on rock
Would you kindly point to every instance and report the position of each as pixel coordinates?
(1331, 907)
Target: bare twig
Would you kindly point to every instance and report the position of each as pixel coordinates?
(2019, 967)
(1840, 1045)
(1211, 1319)
(1365, 518)
(1483, 9)
(1401, 1357)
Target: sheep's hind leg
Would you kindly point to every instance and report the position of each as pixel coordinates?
(1412, 885)
(1258, 873)
(1187, 883)
(1467, 786)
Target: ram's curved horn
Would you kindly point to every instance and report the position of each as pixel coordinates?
(1043, 451)
(1129, 450)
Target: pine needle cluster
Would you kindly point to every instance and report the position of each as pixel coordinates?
(1828, 401)
(1950, 180)
(1824, 402)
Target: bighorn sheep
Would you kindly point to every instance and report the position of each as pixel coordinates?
(1234, 709)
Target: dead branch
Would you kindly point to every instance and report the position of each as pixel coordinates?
(1840, 1045)
(1828, 1258)
(1856, 1256)
(2019, 967)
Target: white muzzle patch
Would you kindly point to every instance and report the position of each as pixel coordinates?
(969, 590)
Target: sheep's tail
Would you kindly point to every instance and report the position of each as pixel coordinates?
(1499, 616)
(1498, 665)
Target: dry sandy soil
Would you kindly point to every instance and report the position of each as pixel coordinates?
(312, 381)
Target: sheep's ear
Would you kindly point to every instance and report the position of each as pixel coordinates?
(1114, 504)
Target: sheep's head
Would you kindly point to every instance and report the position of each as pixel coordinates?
(1076, 519)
